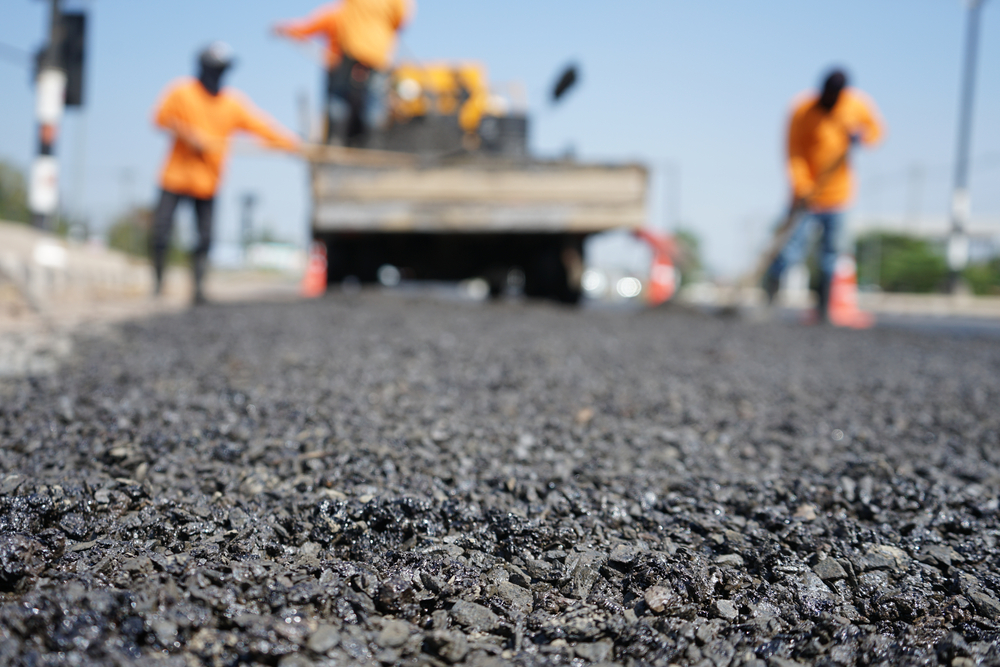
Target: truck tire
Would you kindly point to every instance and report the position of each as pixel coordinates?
(550, 274)
(496, 278)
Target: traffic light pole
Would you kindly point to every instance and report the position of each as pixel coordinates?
(958, 241)
(50, 102)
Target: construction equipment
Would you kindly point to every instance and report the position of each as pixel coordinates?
(444, 188)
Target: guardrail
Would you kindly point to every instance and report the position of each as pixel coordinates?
(47, 269)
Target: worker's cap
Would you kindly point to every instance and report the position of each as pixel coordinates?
(217, 55)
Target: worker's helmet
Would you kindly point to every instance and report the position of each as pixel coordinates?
(217, 55)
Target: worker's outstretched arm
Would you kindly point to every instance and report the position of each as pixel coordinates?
(321, 22)
(272, 134)
(402, 13)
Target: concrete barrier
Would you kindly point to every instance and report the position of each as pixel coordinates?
(48, 270)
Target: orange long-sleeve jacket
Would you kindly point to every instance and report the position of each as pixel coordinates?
(363, 29)
(817, 139)
(211, 119)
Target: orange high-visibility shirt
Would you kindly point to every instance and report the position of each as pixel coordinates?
(816, 139)
(212, 118)
(323, 22)
(363, 29)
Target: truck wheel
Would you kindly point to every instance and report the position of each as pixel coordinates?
(553, 274)
(572, 263)
(336, 262)
(496, 278)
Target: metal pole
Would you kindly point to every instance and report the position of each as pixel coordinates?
(915, 195)
(50, 97)
(249, 200)
(672, 212)
(958, 241)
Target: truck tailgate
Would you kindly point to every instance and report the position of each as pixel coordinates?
(479, 197)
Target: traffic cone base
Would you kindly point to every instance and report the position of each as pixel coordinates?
(314, 280)
(662, 280)
(843, 310)
(662, 276)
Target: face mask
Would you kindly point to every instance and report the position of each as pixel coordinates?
(211, 79)
(832, 88)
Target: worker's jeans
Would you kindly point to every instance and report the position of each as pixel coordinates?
(163, 225)
(347, 93)
(795, 250)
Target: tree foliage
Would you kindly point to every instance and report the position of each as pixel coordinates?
(984, 277)
(13, 194)
(901, 263)
(689, 260)
(130, 232)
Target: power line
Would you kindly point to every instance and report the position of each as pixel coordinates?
(983, 162)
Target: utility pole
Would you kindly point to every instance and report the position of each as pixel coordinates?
(249, 200)
(915, 196)
(672, 182)
(50, 102)
(958, 241)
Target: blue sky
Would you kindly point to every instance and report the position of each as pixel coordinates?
(704, 85)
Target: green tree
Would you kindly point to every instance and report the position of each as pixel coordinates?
(130, 231)
(689, 255)
(13, 194)
(901, 263)
(984, 277)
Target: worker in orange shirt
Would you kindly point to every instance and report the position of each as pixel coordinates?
(361, 38)
(201, 115)
(822, 130)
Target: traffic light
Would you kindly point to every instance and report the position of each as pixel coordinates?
(72, 55)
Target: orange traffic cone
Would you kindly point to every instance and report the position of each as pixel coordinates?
(662, 280)
(662, 276)
(843, 308)
(314, 281)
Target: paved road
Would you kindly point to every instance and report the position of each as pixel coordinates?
(407, 479)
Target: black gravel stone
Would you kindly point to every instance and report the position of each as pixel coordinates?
(391, 480)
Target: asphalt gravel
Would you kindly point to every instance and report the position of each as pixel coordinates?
(377, 479)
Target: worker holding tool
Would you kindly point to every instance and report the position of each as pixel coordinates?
(201, 115)
(821, 133)
(361, 38)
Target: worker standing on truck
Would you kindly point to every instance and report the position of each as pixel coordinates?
(201, 115)
(822, 130)
(361, 38)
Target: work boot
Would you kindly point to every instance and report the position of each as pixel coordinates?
(771, 285)
(199, 264)
(158, 262)
(823, 301)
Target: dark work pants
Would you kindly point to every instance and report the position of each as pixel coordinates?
(163, 225)
(347, 102)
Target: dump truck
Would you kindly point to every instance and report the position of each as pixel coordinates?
(444, 188)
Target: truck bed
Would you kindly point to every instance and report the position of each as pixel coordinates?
(478, 196)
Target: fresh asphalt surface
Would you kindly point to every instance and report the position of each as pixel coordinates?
(932, 325)
(412, 478)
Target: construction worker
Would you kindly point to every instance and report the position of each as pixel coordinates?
(361, 38)
(201, 115)
(822, 130)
